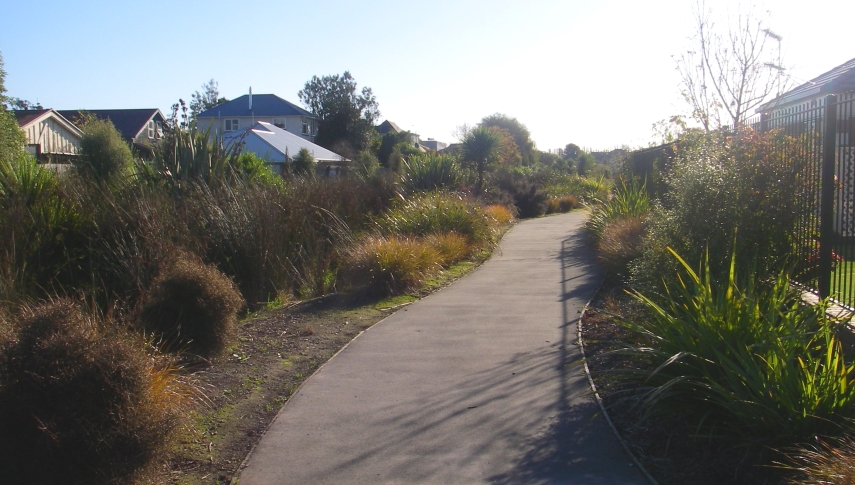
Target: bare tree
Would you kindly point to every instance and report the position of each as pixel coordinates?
(730, 72)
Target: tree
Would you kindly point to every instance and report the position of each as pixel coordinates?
(518, 131)
(480, 151)
(207, 99)
(104, 154)
(727, 74)
(346, 115)
(584, 163)
(303, 163)
(572, 151)
(2, 81)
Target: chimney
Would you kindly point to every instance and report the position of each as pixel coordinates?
(250, 97)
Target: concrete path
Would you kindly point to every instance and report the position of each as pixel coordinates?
(477, 383)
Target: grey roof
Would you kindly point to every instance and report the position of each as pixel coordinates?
(386, 127)
(129, 122)
(838, 80)
(286, 142)
(262, 105)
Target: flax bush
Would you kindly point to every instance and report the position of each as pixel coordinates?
(430, 171)
(628, 201)
(741, 357)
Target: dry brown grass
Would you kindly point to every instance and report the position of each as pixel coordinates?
(452, 247)
(562, 204)
(389, 266)
(620, 243)
(82, 402)
(498, 214)
(829, 462)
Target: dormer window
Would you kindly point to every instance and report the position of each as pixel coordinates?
(232, 125)
(151, 128)
(307, 128)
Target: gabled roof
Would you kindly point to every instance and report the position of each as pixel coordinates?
(838, 80)
(286, 142)
(30, 116)
(129, 122)
(386, 127)
(262, 105)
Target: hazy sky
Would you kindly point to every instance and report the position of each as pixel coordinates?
(594, 73)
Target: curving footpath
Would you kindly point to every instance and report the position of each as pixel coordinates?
(480, 382)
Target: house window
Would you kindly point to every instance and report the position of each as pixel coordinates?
(279, 123)
(307, 128)
(151, 128)
(232, 125)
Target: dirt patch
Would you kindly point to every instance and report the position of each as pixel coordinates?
(664, 446)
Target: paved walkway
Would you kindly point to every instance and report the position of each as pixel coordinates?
(477, 383)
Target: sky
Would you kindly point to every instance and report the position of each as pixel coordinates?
(594, 73)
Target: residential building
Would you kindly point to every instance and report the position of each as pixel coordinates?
(140, 127)
(244, 112)
(278, 147)
(51, 138)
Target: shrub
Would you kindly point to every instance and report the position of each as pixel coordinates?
(193, 305)
(719, 184)
(525, 194)
(430, 171)
(452, 247)
(389, 266)
(436, 212)
(741, 357)
(80, 403)
(366, 164)
(620, 243)
(303, 163)
(498, 215)
(584, 189)
(104, 154)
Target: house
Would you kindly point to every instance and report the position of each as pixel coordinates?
(140, 127)
(389, 127)
(433, 145)
(278, 146)
(810, 95)
(51, 138)
(241, 113)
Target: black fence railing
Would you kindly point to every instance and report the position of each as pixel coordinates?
(819, 144)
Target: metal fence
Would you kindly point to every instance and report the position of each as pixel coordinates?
(819, 145)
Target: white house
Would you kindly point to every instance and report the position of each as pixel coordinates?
(241, 113)
(278, 147)
(50, 137)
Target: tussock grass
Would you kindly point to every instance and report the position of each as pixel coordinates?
(82, 402)
(562, 204)
(827, 462)
(435, 213)
(193, 305)
(621, 243)
(390, 266)
(452, 247)
(627, 201)
(498, 215)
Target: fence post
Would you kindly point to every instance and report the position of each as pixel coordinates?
(826, 203)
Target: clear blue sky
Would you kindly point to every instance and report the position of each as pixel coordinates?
(594, 73)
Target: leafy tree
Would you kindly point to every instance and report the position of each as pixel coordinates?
(207, 99)
(365, 164)
(480, 151)
(303, 163)
(521, 135)
(508, 152)
(584, 163)
(103, 152)
(346, 115)
(572, 151)
(12, 138)
(22, 104)
(730, 73)
(389, 142)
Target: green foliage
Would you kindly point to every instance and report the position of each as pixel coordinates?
(480, 152)
(81, 403)
(430, 171)
(209, 98)
(194, 306)
(517, 130)
(253, 168)
(719, 184)
(741, 358)
(436, 212)
(104, 154)
(347, 117)
(365, 164)
(303, 163)
(521, 190)
(587, 190)
(584, 164)
(186, 154)
(628, 201)
(12, 139)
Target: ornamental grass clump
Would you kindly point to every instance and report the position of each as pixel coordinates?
(194, 306)
(82, 402)
(390, 266)
(430, 171)
(824, 463)
(437, 212)
(626, 201)
(740, 357)
(452, 247)
(498, 215)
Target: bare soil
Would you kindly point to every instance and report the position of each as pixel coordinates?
(664, 446)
